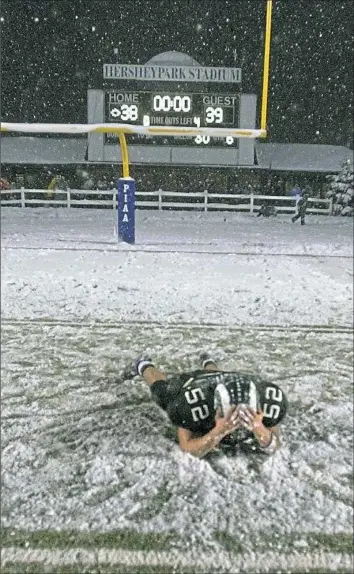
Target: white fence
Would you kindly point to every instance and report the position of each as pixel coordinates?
(203, 201)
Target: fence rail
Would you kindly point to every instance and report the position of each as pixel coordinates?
(203, 201)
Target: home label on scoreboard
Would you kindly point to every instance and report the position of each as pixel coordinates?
(174, 109)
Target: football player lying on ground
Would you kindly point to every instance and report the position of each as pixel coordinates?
(215, 409)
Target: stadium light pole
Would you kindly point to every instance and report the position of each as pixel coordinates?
(266, 61)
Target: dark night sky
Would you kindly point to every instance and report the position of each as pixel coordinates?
(52, 50)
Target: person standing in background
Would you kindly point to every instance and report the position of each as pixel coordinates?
(295, 192)
(301, 209)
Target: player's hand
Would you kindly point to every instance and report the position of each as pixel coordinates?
(249, 419)
(228, 423)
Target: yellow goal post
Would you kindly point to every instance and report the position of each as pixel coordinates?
(122, 129)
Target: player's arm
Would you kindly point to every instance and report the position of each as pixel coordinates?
(200, 446)
(268, 438)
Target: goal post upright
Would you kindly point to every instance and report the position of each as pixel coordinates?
(124, 152)
(125, 197)
(266, 62)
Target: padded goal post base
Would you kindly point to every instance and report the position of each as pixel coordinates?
(126, 209)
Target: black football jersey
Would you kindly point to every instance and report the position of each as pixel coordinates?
(194, 397)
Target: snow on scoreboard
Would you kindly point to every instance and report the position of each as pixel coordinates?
(160, 108)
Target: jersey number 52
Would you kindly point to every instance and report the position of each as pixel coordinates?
(199, 412)
(271, 410)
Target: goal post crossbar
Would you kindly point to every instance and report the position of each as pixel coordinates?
(46, 128)
(122, 129)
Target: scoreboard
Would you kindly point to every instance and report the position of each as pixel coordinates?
(159, 108)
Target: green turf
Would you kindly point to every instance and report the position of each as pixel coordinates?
(131, 540)
(338, 543)
(122, 539)
(38, 568)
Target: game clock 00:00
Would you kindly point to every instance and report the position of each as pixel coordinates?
(175, 110)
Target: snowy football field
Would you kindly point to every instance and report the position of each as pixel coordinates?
(93, 480)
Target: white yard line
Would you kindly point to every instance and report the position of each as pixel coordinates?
(223, 561)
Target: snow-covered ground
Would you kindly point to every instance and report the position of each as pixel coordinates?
(185, 267)
(84, 452)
